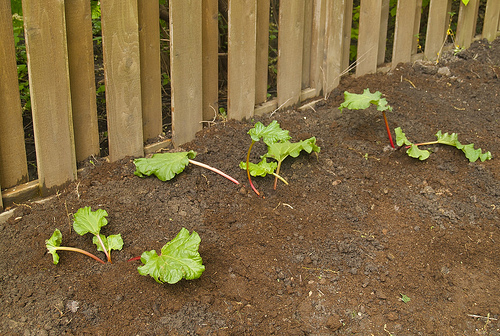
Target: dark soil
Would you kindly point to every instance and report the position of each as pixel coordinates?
(360, 226)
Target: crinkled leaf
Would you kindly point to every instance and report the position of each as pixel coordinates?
(470, 153)
(85, 220)
(418, 153)
(53, 243)
(260, 169)
(401, 137)
(113, 242)
(280, 150)
(354, 101)
(163, 165)
(405, 298)
(179, 259)
(269, 134)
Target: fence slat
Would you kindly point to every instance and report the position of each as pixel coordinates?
(210, 60)
(404, 32)
(262, 50)
(45, 33)
(82, 79)
(186, 65)
(491, 20)
(318, 45)
(333, 44)
(369, 36)
(437, 25)
(120, 39)
(290, 42)
(306, 48)
(346, 42)
(241, 58)
(13, 167)
(149, 46)
(384, 18)
(466, 26)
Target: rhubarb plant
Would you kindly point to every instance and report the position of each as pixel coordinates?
(414, 151)
(87, 221)
(179, 259)
(166, 165)
(354, 101)
(279, 148)
(269, 134)
(54, 244)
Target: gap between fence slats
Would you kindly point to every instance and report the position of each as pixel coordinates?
(150, 70)
(437, 26)
(466, 25)
(186, 59)
(491, 20)
(82, 79)
(241, 58)
(46, 47)
(262, 51)
(13, 166)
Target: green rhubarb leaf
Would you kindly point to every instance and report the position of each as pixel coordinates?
(260, 169)
(163, 165)
(85, 220)
(53, 243)
(401, 137)
(470, 153)
(179, 259)
(418, 153)
(281, 150)
(354, 101)
(269, 134)
(112, 242)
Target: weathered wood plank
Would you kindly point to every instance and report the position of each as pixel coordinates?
(186, 60)
(369, 35)
(210, 37)
(491, 20)
(416, 28)
(466, 25)
(333, 44)
(290, 44)
(21, 193)
(437, 25)
(316, 74)
(150, 69)
(120, 39)
(306, 48)
(404, 32)
(262, 51)
(13, 166)
(45, 33)
(82, 79)
(384, 18)
(346, 42)
(241, 58)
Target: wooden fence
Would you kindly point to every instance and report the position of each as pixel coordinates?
(313, 51)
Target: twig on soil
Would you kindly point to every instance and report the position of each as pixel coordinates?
(483, 317)
(279, 107)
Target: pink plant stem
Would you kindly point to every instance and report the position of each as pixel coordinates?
(215, 170)
(248, 169)
(104, 249)
(388, 129)
(73, 249)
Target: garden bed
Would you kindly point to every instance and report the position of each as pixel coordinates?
(364, 239)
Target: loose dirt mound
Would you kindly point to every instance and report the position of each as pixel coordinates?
(360, 227)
